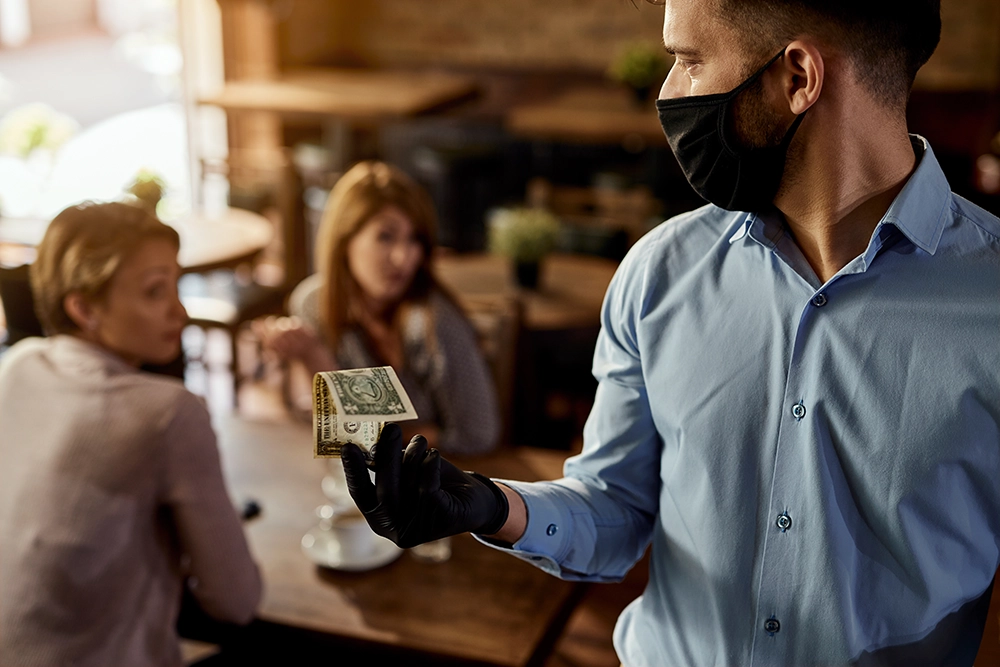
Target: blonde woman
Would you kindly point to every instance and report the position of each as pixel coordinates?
(376, 302)
(111, 492)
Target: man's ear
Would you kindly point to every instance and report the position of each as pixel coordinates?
(804, 75)
(80, 310)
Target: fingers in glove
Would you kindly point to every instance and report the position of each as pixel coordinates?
(430, 473)
(412, 458)
(359, 483)
(415, 451)
(388, 462)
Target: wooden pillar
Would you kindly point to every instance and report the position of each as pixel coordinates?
(250, 52)
(258, 161)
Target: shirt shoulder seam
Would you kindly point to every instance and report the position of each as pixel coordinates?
(959, 212)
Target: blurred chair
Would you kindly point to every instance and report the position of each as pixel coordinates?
(496, 319)
(229, 299)
(18, 304)
(222, 300)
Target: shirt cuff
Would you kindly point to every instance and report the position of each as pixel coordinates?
(546, 534)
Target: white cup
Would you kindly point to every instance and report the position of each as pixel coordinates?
(352, 535)
(435, 551)
(335, 486)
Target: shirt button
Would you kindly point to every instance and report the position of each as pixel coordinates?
(771, 626)
(819, 300)
(551, 530)
(798, 411)
(784, 521)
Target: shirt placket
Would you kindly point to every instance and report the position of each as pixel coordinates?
(785, 526)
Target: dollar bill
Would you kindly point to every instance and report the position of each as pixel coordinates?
(353, 405)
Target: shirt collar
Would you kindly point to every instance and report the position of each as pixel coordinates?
(918, 211)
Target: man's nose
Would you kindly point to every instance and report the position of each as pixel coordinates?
(673, 87)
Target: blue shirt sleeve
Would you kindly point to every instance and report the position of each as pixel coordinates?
(596, 522)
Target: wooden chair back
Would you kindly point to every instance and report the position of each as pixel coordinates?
(496, 319)
(268, 183)
(18, 304)
(230, 299)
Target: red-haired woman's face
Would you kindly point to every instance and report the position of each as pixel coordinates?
(384, 256)
(140, 317)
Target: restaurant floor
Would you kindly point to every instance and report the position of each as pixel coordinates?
(586, 640)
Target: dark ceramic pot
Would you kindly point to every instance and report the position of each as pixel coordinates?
(641, 94)
(526, 274)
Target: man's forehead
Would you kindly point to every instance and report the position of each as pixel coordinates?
(694, 27)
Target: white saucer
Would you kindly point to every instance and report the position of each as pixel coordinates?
(323, 548)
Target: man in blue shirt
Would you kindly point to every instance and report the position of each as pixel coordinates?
(799, 384)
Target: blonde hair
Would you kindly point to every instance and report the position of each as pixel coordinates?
(363, 191)
(81, 251)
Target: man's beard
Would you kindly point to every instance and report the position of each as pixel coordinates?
(755, 124)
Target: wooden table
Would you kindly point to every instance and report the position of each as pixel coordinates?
(351, 94)
(208, 241)
(342, 99)
(570, 292)
(589, 115)
(481, 606)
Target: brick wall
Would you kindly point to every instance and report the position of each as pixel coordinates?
(517, 34)
(565, 34)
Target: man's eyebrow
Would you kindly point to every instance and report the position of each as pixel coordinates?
(675, 49)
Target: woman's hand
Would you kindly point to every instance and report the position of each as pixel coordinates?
(290, 339)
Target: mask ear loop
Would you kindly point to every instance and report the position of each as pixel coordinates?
(731, 95)
(756, 75)
(798, 119)
(791, 130)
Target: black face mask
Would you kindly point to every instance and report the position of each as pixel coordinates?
(733, 178)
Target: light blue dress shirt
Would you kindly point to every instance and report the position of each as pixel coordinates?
(816, 465)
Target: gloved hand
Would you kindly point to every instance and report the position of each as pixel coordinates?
(418, 496)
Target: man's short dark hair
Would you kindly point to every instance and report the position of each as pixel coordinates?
(886, 40)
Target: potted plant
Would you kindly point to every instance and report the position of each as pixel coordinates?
(147, 187)
(641, 66)
(525, 235)
(35, 133)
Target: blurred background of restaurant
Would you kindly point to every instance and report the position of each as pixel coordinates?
(260, 105)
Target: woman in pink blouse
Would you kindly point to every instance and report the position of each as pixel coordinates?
(111, 491)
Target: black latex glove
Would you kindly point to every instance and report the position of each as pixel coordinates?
(417, 495)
